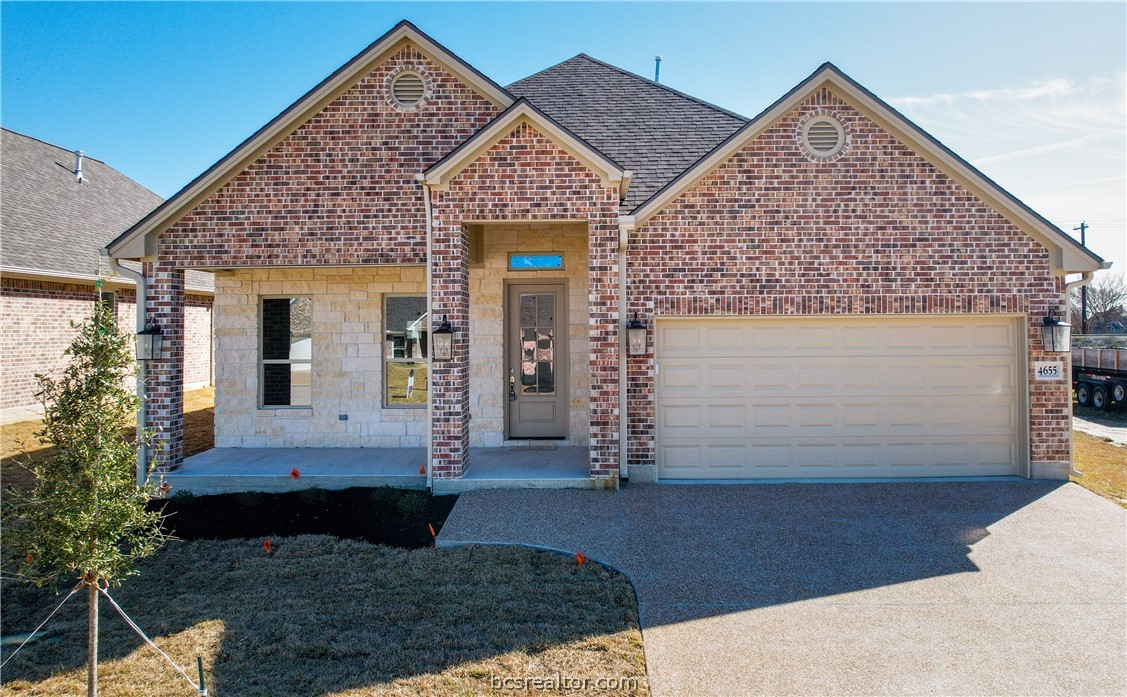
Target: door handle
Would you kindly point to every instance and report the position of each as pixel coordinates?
(512, 385)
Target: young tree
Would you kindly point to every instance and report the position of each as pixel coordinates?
(85, 519)
(1107, 302)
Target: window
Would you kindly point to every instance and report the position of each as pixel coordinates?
(406, 346)
(109, 298)
(286, 375)
(535, 262)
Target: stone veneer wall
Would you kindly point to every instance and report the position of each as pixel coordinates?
(347, 360)
(874, 230)
(487, 323)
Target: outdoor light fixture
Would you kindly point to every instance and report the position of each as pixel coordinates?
(443, 339)
(1055, 334)
(636, 337)
(150, 342)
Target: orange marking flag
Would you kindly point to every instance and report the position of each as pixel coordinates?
(432, 532)
(267, 546)
(294, 474)
(580, 558)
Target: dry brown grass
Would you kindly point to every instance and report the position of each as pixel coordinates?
(397, 374)
(19, 442)
(1104, 466)
(322, 616)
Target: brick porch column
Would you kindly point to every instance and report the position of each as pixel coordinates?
(450, 383)
(165, 379)
(602, 235)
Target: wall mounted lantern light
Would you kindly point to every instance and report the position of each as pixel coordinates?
(443, 341)
(636, 337)
(1055, 334)
(150, 342)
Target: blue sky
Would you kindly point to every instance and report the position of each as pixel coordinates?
(1033, 94)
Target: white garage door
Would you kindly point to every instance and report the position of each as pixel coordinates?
(838, 398)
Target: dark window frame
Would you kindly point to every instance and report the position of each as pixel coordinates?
(263, 361)
(424, 348)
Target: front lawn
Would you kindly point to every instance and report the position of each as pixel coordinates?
(1104, 466)
(323, 616)
(18, 440)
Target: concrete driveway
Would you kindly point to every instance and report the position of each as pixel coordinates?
(818, 589)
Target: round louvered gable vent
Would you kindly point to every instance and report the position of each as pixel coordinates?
(407, 89)
(823, 136)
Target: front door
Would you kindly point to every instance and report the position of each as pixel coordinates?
(536, 356)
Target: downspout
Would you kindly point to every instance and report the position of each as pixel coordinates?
(430, 329)
(1084, 280)
(142, 423)
(623, 312)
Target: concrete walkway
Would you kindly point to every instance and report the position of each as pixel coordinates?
(1116, 433)
(894, 588)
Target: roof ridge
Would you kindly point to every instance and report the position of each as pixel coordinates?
(667, 88)
(543, 70)
(53, 145)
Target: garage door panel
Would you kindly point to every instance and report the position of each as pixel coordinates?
(768, 459)
(802, 338)
(799, 419)
(837, 378)
(871, 398)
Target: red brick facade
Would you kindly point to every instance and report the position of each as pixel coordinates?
(341, 189)
(874, 230)
(36, 331)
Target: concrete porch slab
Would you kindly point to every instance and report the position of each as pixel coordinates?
(225, 470)
(524, 468)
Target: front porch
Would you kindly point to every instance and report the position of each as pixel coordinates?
(227, 470)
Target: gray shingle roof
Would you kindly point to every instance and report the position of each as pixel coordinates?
(51, 223)
(649, 128)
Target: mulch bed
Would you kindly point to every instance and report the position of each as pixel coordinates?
(385, 516)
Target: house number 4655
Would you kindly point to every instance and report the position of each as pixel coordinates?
(1048, 370)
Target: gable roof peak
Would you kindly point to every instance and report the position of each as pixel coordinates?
(523, 110)
(1066, 254)
(139, 240)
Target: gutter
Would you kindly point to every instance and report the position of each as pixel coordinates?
(1084, 280)
(430, 329)
(142, 421)
(63, 277)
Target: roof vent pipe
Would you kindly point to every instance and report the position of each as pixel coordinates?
(657, 68)
(78, 166)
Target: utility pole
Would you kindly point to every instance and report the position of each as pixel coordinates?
(1083, 289)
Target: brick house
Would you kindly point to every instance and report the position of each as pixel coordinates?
(53, 228)
(825, 290)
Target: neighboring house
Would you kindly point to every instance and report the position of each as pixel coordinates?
(826, 291)
(52, 231)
